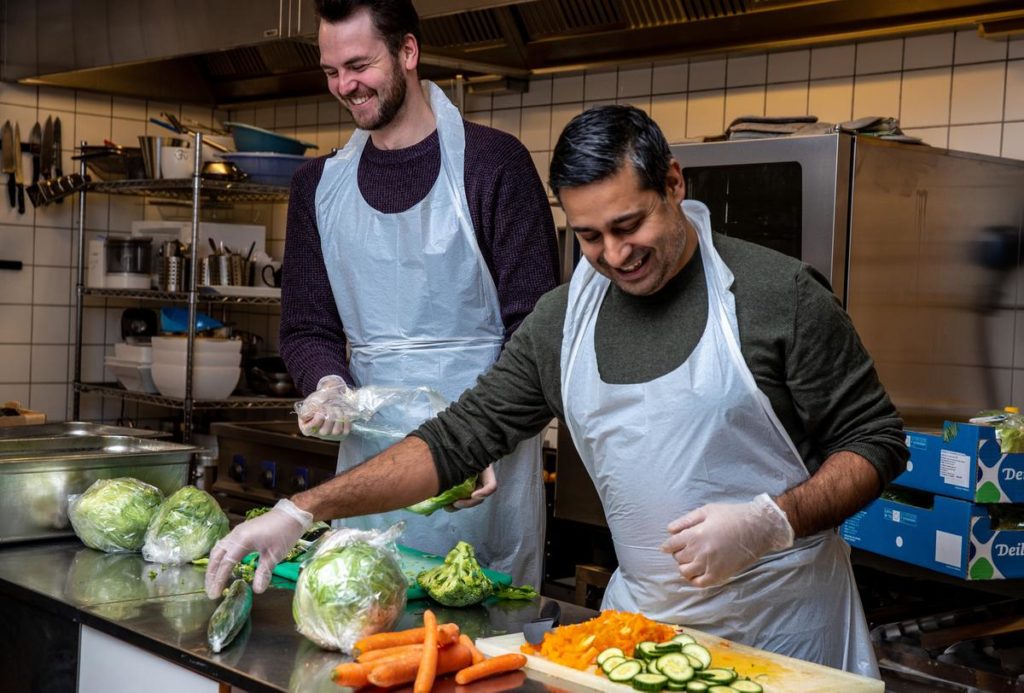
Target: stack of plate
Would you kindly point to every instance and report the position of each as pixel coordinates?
(131, 365)
(215, 366)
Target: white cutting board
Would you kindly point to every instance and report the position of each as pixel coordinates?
(776, 673)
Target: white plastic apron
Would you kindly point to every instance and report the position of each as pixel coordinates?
(704, 433)
(420, 308)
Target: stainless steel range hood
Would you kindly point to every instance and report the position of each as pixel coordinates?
(222, 52)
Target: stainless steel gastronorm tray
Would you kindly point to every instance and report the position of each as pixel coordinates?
(35, 484)
(65, 436)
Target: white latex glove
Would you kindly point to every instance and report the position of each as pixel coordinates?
(486, 484)
(273, 534)
(717, 541)
(317, 419)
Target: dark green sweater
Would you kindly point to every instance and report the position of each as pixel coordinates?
(795, 337)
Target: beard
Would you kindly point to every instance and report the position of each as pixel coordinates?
(390, 100)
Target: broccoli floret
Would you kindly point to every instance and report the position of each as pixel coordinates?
(460, 581)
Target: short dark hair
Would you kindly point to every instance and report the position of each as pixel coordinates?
(393, 19)
(596, 143)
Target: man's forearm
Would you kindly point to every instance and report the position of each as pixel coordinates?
(844, 484)
(399, 476)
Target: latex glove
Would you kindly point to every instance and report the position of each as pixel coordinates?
(272, 534)
(486, 484)
(317, 418)
(719, 540)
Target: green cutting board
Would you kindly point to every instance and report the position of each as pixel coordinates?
(412, 561)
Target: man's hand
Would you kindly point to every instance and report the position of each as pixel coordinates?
(318, 413)
(272, 534)
(486, 484)
(715, 542)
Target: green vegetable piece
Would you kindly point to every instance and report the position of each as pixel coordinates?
(230, 616)
(256, 512)
(113, 514)
(525, 592)
(186, 527)
(244, 571)
(460, 581)
(432, 505)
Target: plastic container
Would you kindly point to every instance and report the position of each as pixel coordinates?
(267, 168)
(133, 376)
(249, 138)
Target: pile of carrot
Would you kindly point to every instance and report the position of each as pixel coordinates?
(578, 645)
(418, 656)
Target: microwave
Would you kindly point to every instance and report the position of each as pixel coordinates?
(921, 245)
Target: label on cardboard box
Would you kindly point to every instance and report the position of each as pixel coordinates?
(955, 468)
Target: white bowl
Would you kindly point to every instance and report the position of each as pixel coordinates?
(208, 382)
(203, 344)
(173, 357)
(177, 162)
(132, 375)
(137, 353)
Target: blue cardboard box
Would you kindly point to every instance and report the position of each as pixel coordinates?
(953, 536)
(963, 462)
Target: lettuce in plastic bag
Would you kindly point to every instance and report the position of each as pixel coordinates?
(432, 505)
(1010, 433)
(353, 586)
(113, 514)
(186, 527)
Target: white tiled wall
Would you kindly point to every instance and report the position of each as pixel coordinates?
(952, 89)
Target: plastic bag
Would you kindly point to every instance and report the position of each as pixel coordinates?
(185, 528)
(378, 413)
(352, 586)
(113, 514)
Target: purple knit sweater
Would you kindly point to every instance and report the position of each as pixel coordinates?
(510, 214)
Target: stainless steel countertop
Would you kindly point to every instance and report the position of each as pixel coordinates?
(164, 610)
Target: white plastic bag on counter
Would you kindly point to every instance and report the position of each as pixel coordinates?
(185, 528)
(353, 586)
(377, 413)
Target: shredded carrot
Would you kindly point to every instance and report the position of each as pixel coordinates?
(577, 645)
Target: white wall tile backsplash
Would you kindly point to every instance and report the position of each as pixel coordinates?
(951, 89)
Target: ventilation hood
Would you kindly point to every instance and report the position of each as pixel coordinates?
(224, 52)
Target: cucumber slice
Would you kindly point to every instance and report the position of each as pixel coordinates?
(610, 652)
(645, 649)
(746, 686)
(611, 662)
(667, 647)
(673, 686)
(719, 676)
(625, 672)
(652, 667)
(684, 639)
(696, 687)
(676, 667)
(694, 662)
(699, 653)
(649, 682)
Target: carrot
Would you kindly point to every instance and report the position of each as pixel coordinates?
(375, 655)
(413, 636)
(490, 667)
(428, 663)
(351, 674)
(478, 656)
(398, 672)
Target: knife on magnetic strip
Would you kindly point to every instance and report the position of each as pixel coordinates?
(7, 166)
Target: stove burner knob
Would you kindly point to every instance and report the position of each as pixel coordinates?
(299, 483)
(267, 478)
(237, 469)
